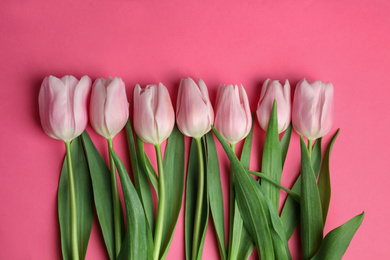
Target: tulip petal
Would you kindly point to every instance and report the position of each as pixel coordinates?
(247, 110)
(144, 114)
(97, 104)
(61, 108)
(80, 98)
(164, 115)
(116, 110)
(327, 110)
(193, 112)
(303, 109)
(264, 89)
(206, 98)
(273, 90)
(230, 119)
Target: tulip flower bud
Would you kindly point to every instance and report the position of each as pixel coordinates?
(233, 118)
(312, 113)
(63, 106)
(194, 113)
(154, 117)
(109, 108)
(273, 90)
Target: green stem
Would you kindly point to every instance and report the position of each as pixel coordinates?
(115, 201)
(235, 224)
(199, 199)
(231, 203)
(310, 146)
(293, 194)
(161, 204)
(73, 210)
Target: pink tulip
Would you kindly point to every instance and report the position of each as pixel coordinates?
(63, 106)
(233, 118)
(194, 112)
(272, 90)
(312, 114)
(109, 108)
(154, 117)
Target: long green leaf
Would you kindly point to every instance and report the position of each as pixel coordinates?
(141, 180)
(247, 149)
(102, 192)
(272, 159)
(146, 165)
(285, 143)
(246, 243)
(278, 233)
(252, 204)
(316, 156)
(324, 179)
(135, 245)
(205, 207)
(337, 241)
(84, 202)
(191, 190)
(311, 215)
(214, 190)
(291, 210)
(174, 169)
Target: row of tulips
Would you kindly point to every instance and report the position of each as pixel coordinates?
(254, 206)
(63, 109)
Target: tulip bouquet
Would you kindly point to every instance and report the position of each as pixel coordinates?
(88, 183)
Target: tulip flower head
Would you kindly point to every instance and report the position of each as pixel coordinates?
(194, 113)
(154, 117)
(233, 118)
(273, 90)
(312, 113)
(109, 108)
(63, 106)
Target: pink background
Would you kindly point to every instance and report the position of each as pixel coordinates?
(345, 42)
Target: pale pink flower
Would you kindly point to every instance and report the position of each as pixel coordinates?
(194, 113)
(63, 106)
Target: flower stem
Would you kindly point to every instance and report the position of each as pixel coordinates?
(161, 204)
(73, 208)
(310, 146)
(199, 200)
(115, 201)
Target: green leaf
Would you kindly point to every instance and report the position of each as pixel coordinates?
(102, 192)
(190, 207)
(252, 204)
(247, 148)
(174, 169)
(205, 208)
(135, 243)
(337, 241)
(291, 210)
(272, 159)
(311, 215)
(141, 180)
(146, 165)
(316, 156)
(214, 191)
(285, 143)
(191, 190)
(84, 202)
(278, 234)
(246, 244)
(324, 179)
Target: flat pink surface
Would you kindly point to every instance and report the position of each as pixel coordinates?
(345, 42)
